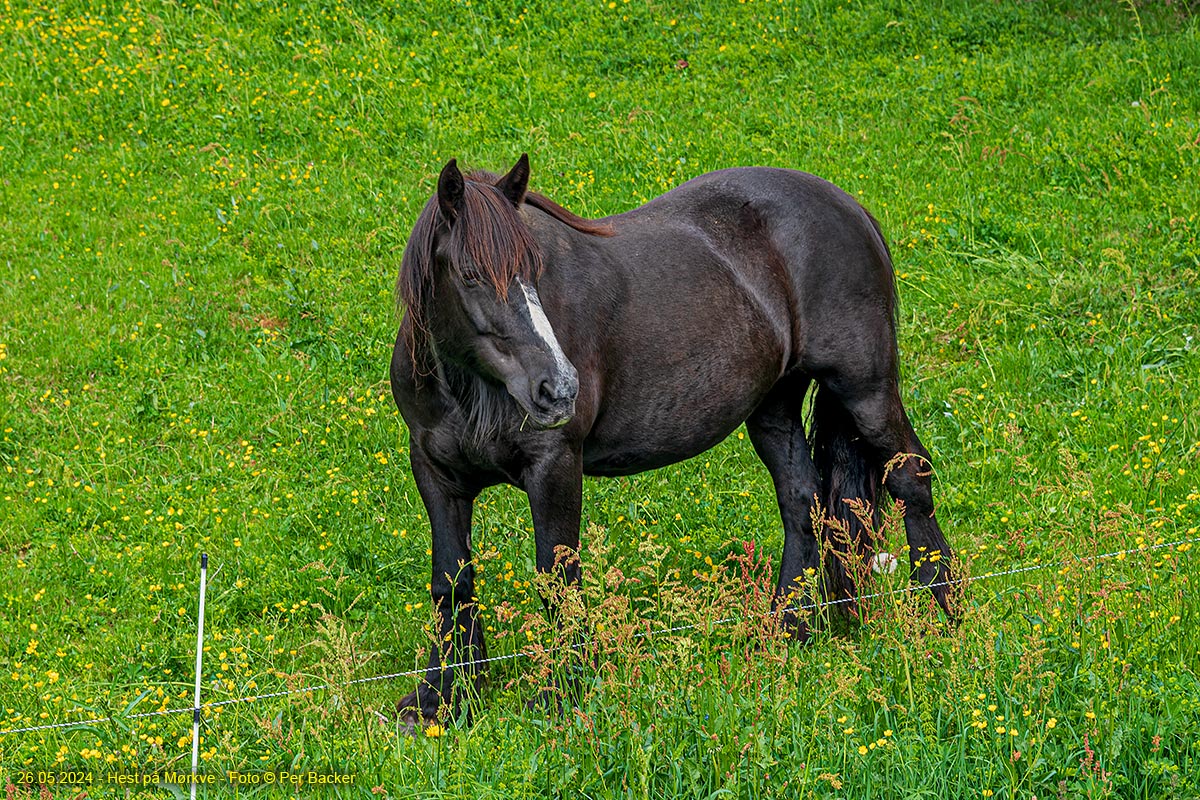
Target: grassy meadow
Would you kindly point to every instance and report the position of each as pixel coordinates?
(202, 211)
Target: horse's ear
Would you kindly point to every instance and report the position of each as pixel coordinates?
(450, 190)
(514, 184)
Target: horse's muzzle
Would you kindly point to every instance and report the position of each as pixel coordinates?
(549, 419)
(553, 401)
(563, 420)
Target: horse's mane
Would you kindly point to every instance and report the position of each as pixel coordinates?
(487, 236)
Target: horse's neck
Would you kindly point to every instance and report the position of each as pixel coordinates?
(485, 408)
(459, 384)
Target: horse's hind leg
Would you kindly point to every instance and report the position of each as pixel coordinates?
(777, 432)
(881, 420)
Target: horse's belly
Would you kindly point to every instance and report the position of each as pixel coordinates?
(629, 459)
(638, 433)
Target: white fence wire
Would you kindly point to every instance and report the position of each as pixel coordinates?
(1146, 548)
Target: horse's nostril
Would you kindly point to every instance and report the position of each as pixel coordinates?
(553, 394)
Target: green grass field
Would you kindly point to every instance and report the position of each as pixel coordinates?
(202, 211)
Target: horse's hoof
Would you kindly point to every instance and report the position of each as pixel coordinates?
(940, 589)
(953, 617)
(801, 635)
(413, 716)
(793, 628)
(411, 722)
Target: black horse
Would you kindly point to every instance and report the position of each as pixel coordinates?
(538, 346)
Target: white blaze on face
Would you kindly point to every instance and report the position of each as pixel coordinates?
(541, 327)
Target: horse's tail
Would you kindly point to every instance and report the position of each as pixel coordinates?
(850, 487)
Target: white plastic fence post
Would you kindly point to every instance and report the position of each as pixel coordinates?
(199, 660)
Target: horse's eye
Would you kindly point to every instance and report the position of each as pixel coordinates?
(471, 278)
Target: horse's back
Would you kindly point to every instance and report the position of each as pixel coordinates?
(771, 189)
(805, 248)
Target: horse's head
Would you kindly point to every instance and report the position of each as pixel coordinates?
(485, 313)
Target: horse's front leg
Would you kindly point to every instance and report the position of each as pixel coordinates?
(555, 488)
(455, 660)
